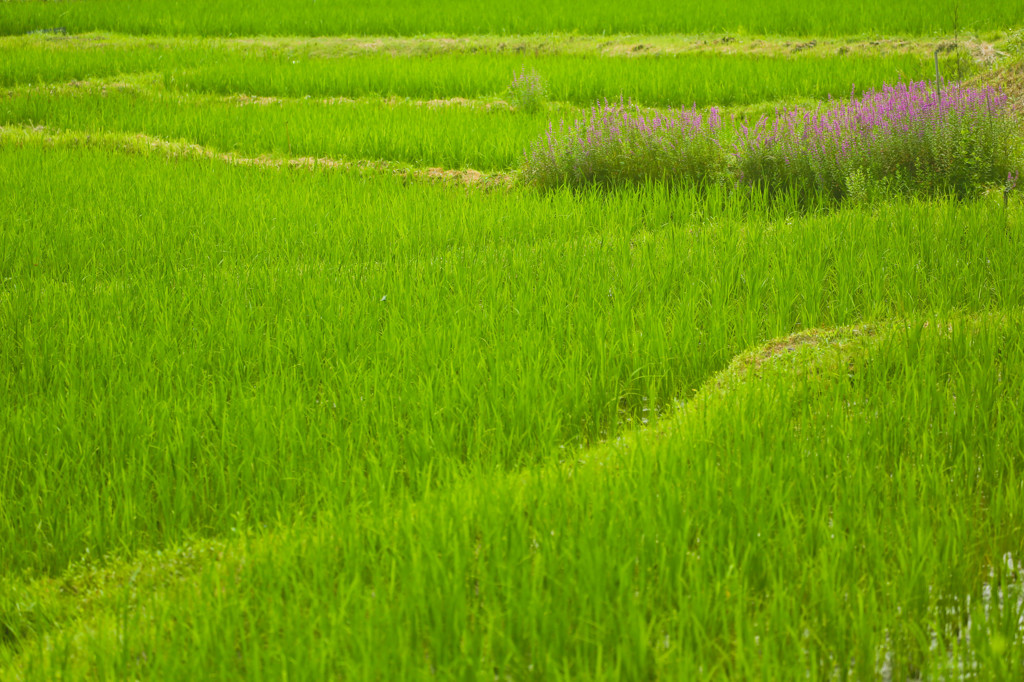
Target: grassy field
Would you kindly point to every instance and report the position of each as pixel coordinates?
(462, 17)
(290, 390)
(283, 70)
(449, 111)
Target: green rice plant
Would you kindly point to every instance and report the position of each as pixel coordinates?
(676, 80)
(320, 421)
(463, 17)
(262, 344)
(834, 504)
(34, 59)
(412, 133)
(301, 68)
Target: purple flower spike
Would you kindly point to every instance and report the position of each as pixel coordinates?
(904, 133)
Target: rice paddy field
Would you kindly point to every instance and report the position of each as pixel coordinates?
(301, 380)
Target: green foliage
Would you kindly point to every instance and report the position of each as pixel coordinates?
(378, 324)
(406, 132)
(620, 145)
(527, 92)
(462, 17)
(1014, 43)
(959, 152)
(306, 423)
(286, 70)
(820, 505)
(863, 189)
(904, 139)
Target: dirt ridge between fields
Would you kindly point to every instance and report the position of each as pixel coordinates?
(141, 143)
(618, 45)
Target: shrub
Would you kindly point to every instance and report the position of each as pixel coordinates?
(1014, 45)
(527, 92)
(907, 137)
(620, 144)
(902, 139)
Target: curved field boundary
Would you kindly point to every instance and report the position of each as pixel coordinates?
(68, 621)
(140, 143)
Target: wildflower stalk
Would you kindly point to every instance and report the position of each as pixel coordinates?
(903, 138)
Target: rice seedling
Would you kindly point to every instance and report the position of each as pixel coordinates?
(299, 70)
(484, 138)
(672, 80)
(312, 345)
(463, 17)
(763, 533)
(276, 404)
(49, 59)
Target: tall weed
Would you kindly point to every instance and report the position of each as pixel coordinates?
(620, 144)
(909, 138)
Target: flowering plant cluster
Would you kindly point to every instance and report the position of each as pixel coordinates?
(527, 92)
(903, 138)
(620, 144)
(908, 138)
